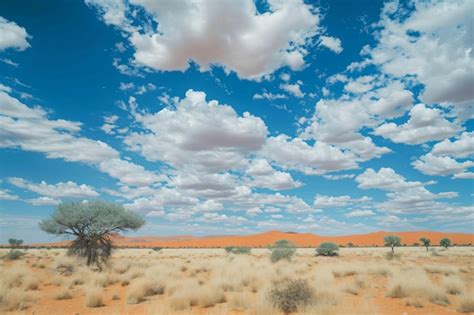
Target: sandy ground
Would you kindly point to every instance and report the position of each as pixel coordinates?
(244, 281)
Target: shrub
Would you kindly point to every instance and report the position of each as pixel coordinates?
(94, 297)
(63, 295)
(282, 249)
(14, 255)
(426, 242)
(290, 296)
(327, 249)
(157, 249)
(466, 304)
(14, 243)
(238, 249)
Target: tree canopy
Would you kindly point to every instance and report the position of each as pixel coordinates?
(92, 224)
(392, 241)
(426, 242)
(445, 242)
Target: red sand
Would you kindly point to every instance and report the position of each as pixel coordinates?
(300, 239)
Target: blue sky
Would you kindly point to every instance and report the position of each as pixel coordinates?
(331, 117)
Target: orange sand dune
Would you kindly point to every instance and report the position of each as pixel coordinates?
(300, 239)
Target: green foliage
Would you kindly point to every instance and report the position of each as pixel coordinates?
(14, 255)
(238, 249)
(392, 241)
(327, 249)
(426, 242)
(291, 295)
(282, 249)
(157, 249)
(14, 243)
(445, 242)
(92, 224)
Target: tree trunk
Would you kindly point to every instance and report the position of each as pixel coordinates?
(393, 251)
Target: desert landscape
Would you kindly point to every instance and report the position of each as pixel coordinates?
(157, 280)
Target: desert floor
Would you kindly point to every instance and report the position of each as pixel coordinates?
(211, 281)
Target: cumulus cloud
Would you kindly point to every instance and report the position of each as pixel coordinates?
(436, 51)
(294, 89)
(425, 124)
(269, 96)
(462, 147)
(332, 43)
(265, 176)
(31, 130)
(440, 165)
(191, 31)
(12, 35)
(322, 201)
(386, 179)
(43, 201)
(359, 213)
(216, 137)
(60, 190)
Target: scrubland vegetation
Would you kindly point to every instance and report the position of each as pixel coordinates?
(216, 281)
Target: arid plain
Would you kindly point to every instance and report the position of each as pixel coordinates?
(212, 281)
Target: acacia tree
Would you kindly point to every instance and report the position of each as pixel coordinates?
(14, 243)
(392, 241)
(426, 242)
(445, 242)
(92, 224)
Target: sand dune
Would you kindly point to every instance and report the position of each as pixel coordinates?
(300, 239)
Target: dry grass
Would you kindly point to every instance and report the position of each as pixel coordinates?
(211, 282)
(466, 304)
(94, 296)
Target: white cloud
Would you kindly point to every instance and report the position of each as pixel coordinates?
(195, 31)
(6, 195)
(437, 51)
(43, 201)
(12, 35)
(265, 176)
(360, 213)
(60, 190)
(440, 165)
(460, 148)
(338, 177)
(322, 201)
(360, 85)
(31, 130)
(332, 43)
(425, 124)
(385, 179)
(269, 96)
(294, 89)
(213, 134)
(296, 154)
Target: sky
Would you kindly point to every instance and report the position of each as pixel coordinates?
(237, 117)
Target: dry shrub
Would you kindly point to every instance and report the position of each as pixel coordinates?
(94, 296)
(116, 296)
(65, 265)
(292, 295)
(351, 289)
(416, 284)
(446, 270)
(15, 299)
(142, 288)
(240, 301)
(413, 302)
(64, 294)
(30, 283)
(188, 293)
(453, 285)
(466, 304)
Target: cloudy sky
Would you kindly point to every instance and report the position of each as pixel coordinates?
(225, 117)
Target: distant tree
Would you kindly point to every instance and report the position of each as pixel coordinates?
(392, 241)
(282, 249)
(350, 244)
(14, 243)
(426, 242)
(327, 249)
(92, 224)
(445, 242)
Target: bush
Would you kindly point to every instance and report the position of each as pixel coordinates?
(14, 255)
(290, 296)
(237, 249)
(466, 304)
(327, 249)
(157, 249)
(282, 249)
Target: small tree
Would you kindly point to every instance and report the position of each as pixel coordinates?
(327, 249)
(392, 241)
(14, 243)
(291, 295)
(445, 242)
(92, 224)
(426, 242)
(282, 249)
